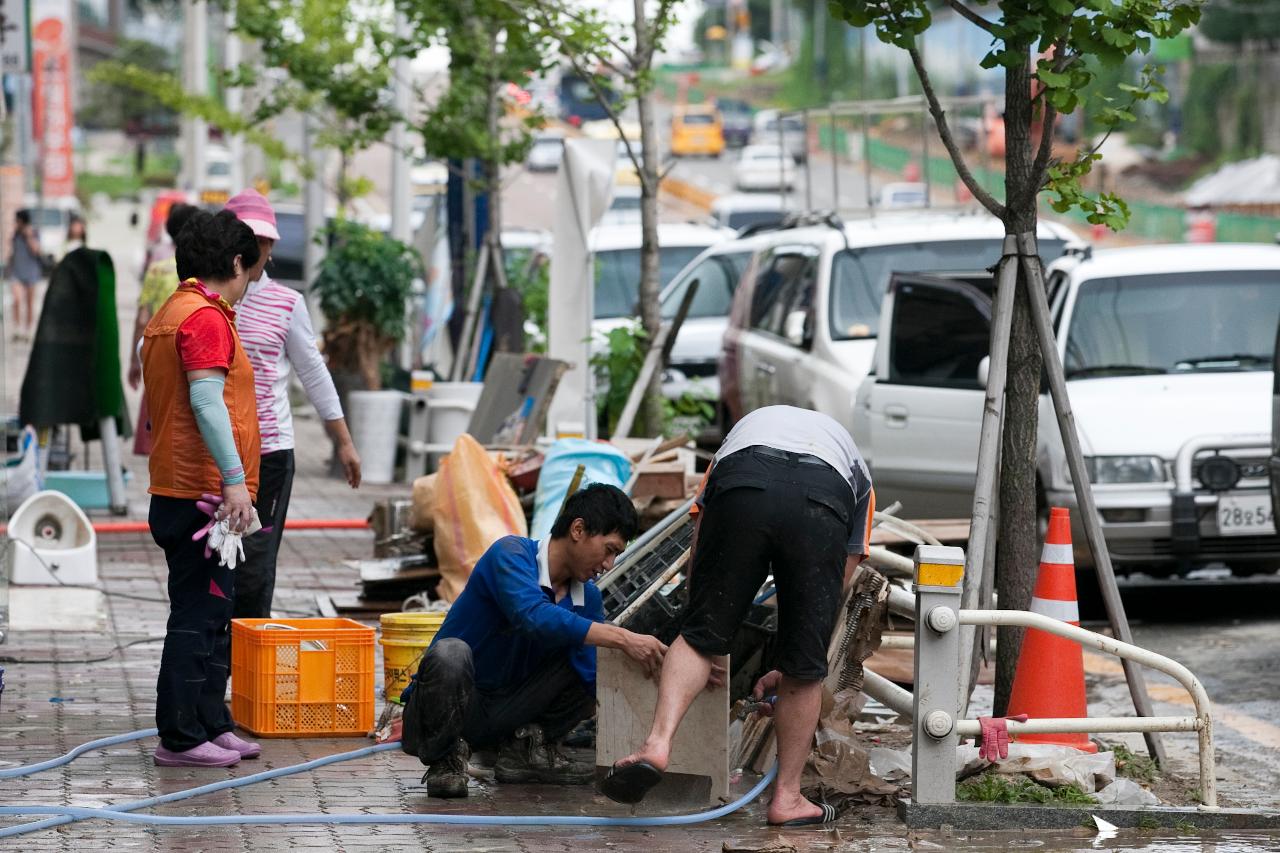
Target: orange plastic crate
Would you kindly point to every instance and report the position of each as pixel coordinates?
(316, 681)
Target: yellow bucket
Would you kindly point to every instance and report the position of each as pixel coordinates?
(405, 638)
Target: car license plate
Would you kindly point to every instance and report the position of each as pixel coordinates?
(1243, 515)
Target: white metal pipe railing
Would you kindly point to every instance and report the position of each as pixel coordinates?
(1202, 723)
(1062, 725)
(887, 693)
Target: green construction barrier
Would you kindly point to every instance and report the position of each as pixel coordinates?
(1247, 228)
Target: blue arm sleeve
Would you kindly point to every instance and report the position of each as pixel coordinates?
(525, 604)
(215, 427)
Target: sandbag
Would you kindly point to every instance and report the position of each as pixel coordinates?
(422, 516)
(604, 464)
(475, 506)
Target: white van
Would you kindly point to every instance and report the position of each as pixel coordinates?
(1167, 352)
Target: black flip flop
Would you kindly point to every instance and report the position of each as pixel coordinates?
(828, 815)
(629, 784)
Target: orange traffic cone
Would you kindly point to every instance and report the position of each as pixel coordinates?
(1049, 681)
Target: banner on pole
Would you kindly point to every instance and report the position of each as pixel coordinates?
(52, 71)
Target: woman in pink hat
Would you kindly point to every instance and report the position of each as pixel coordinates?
(276, 332)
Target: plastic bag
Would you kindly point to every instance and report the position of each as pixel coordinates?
(604, 464)
(475, 506)
(422, 517)
(1126, 792)
(22, 474)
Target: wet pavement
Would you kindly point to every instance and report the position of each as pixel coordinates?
(58, 699)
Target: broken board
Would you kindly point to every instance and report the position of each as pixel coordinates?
(626, 700)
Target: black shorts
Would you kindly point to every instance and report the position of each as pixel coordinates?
(765, 511)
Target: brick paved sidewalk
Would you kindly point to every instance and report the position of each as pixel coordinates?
(48, 708)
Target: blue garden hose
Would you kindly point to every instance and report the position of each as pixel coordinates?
(69, 814)
(100, 743)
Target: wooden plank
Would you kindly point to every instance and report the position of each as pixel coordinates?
(325, 605)
(626, 701)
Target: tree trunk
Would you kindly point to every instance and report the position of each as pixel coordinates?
(1017, 546)
(650, 310)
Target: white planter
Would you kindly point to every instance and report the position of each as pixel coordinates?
(374, 419)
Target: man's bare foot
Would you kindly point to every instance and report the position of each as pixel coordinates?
(657, 755)
(784, 809)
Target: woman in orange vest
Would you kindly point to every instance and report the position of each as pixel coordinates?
(204, 424)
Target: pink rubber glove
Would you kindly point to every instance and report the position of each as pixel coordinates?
(209, 505)
(995, 736)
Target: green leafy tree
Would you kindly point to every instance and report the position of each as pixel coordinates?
(1043, 47)
(329, 59)
(616, 59)
(111, 105)
(363, 283)
(492, 51)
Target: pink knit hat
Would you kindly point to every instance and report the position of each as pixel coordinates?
(252, 208)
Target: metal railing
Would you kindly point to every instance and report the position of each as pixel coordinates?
(937, 698)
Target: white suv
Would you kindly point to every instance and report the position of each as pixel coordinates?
(803, 324)
(1168, 357)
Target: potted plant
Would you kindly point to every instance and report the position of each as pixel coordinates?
(363, 285)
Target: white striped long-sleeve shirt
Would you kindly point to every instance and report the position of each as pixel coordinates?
(275, 330)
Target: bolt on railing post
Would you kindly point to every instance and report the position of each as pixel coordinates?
(939, 576)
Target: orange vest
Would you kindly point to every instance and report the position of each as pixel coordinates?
(181, 464)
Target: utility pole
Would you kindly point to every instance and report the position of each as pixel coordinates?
(195, 133)
(231, 55)
(401, 228)
(313, 218)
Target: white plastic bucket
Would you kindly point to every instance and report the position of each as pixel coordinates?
(449, 409)
(374, 418)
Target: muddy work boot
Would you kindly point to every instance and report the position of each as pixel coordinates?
(447, 777)
(527, 757)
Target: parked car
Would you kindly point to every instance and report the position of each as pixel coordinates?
(624, 207)
(736, 121)
(545, 154)
(803, 324)
(764, 131)
(900, 195)
(764, 167)
(50, 218)
(744, 210)
(697, 130)
(617, 262)
(696, 352)
(1168, 354)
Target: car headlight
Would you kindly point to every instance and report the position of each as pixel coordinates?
(1125, 469)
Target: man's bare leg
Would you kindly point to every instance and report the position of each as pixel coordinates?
(684, 673)
(795, 718)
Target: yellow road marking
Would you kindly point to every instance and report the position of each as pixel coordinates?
(1258, 731)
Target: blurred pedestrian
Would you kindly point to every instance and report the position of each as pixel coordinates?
(275, 329)
(205, 430)
(158, 284)
(26, 271)
(77, 234)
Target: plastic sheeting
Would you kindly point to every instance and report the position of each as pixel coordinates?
(475, 506)
(604, 464)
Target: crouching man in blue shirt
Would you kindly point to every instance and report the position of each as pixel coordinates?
(514, 665)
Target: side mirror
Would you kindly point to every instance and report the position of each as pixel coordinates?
(984, 369)
(793, 329)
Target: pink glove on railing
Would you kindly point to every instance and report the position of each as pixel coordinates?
(995, 736)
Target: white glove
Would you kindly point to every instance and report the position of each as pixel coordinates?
(228, 544)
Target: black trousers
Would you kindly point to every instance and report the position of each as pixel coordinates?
(770, 511)
(256, 576)
(195, 663)
(445, 704)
